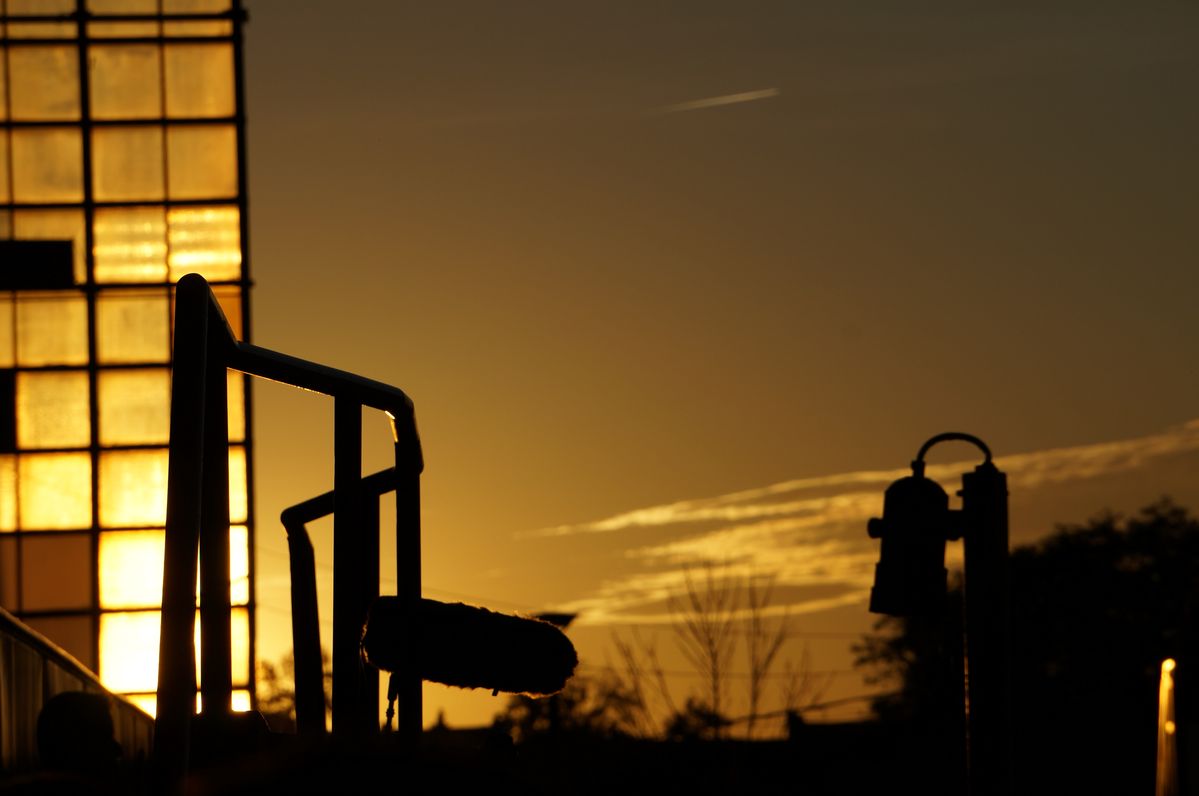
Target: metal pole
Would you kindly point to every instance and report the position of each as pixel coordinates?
(176, 659)
(409, 698)
(350, 714)
(985, 511)
(368, 583)
(216, 684)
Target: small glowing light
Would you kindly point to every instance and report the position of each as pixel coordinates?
(1169, 727)
(1168, 665)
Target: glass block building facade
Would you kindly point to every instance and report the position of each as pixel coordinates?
(121, 152)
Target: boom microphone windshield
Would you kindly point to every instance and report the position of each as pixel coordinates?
(469, 647)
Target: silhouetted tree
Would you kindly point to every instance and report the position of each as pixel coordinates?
(1095, 609)
(716, 611)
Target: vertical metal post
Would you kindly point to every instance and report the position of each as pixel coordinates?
(408, 576)
(350, 714)
(176, 659)
(216, 684)
(985, 511)
(305, 633)
(368, 529)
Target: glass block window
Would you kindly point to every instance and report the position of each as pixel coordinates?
(120, 145)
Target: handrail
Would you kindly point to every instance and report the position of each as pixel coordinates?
(198, 518)
(305, 620)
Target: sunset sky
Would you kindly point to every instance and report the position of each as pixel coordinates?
(684, 281)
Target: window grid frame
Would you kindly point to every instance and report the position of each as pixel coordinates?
(84, 39)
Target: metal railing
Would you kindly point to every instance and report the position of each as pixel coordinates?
(198, 519)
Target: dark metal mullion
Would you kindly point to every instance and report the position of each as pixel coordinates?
(89, 214)
(239, 112)
(138, 122)
(31, 42)
(99, 368)
(227, 201)
(84, 15)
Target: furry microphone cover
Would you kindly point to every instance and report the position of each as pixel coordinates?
(469, 647)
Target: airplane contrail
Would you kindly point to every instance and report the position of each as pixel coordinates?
(723, 99)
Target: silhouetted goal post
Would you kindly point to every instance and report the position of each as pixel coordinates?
(910, 580)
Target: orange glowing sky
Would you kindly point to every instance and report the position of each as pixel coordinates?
(746, 257)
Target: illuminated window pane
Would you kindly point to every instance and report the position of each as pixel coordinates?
(239, 620)
(199, 80)
(8, 493)
(6, 341)
(133, 488)
(194, 6)
(8, 572)
(47, 165)
(239, 565)
(44, 82)
(36, 8)
(202, 161)
(125, 81)
(54, 490)
(102, 30)
(132, 326)
(104, 7)
(56, 571)
(229, 297)
(129, 650)
(72, 633)
(40, 30)
(204, 240)
(135, 406)
(3, 86)
(51, 329)
(122, 30)
(131, 568)
(52, 409)
(127, 163)
(196, 27)
(131, 244)
(237, 406)
(237, 484)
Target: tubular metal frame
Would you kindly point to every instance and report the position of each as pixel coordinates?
(198, 519)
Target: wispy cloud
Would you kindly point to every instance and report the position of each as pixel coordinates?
(723, 99)
(1024, 470)
(809, 533)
